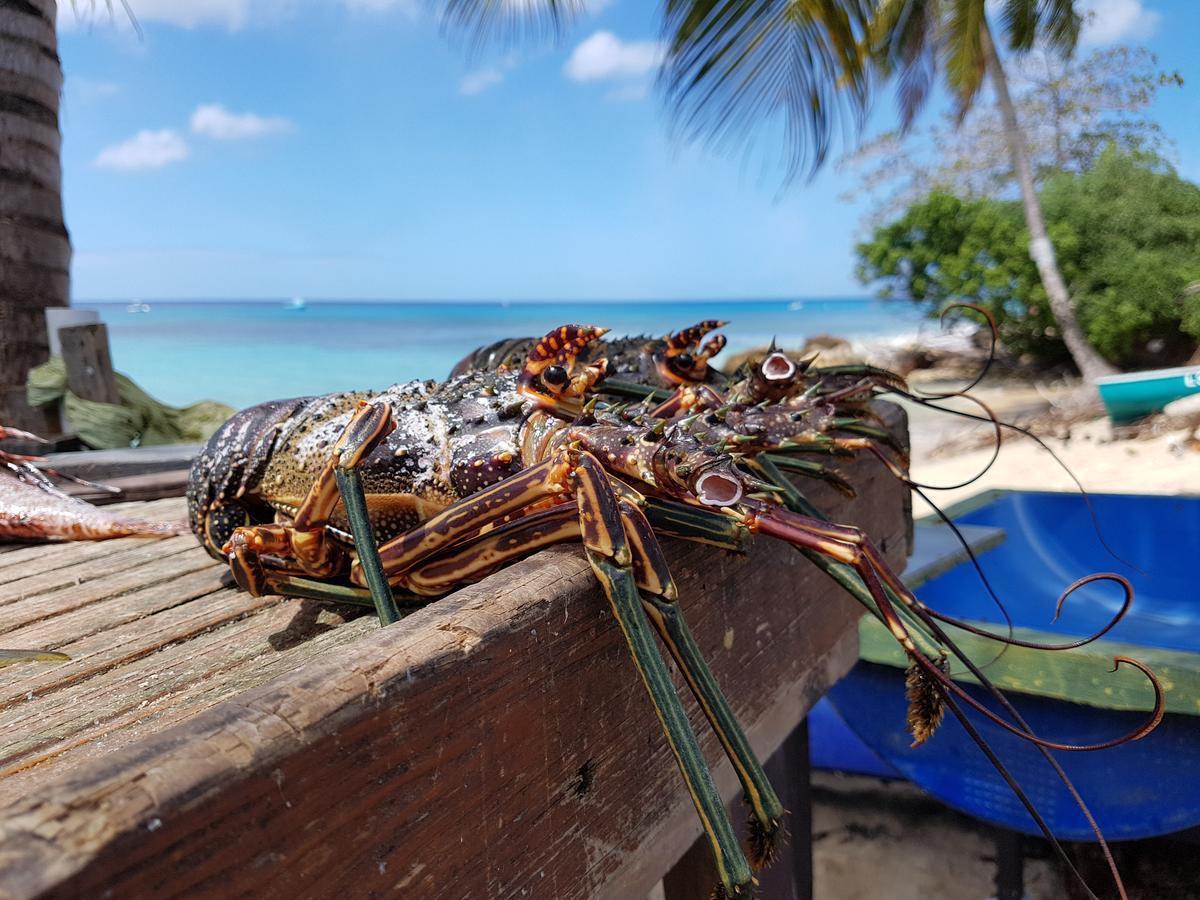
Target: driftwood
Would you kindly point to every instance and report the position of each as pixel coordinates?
(497, 743)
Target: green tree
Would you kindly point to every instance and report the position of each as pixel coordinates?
(915, 39)
(1128, 234)
(1130, 237)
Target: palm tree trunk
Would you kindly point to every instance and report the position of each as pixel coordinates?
(35, 250)
(1090, 363)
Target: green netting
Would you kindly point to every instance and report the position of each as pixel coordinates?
(137, 421)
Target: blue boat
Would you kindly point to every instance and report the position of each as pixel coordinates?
(1137, 790)
(1136, 394)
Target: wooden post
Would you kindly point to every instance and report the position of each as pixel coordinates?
(89, 366)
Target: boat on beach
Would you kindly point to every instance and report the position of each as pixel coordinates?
(1135, 394)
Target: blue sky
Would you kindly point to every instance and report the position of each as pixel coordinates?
(351, 149)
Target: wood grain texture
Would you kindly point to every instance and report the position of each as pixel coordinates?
(495, 744)
(89, 365)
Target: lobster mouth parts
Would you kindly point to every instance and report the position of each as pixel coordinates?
(717, 489)
(777, 367)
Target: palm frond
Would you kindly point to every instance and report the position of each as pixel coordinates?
(1055, 23)
(1061, 24)
(733, 67)
(903, 37)
(962, 46)
(509, 21)
(1020, 20)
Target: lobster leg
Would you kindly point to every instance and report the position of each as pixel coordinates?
(811, 469)
(596, 516)
(608, 552)
(659, 598)
(364, 432)
(474, 559)
(304, 540)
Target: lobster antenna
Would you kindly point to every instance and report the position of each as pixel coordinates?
(991, 357)
(1053, 455)
(987, 585)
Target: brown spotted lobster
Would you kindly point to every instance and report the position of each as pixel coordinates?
(427, 485)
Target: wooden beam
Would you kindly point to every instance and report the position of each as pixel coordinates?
(102, 465)
(90, 373)
(497, 743)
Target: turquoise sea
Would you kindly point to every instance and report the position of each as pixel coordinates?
(244, 352)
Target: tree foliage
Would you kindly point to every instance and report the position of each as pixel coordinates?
(1128, 239)
(1070, 110)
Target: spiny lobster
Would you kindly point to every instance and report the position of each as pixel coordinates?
(429, 485)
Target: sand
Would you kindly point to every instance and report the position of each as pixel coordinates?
(1159, 464)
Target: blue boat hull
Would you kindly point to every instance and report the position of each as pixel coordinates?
(1137, 790)
(1129, 397)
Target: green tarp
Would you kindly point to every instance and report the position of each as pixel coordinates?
(137, 421)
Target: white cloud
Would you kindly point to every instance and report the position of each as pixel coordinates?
(1109, 21)
(606, 56)
(145, 150)
(480, 80)
(229, 14)
(87, 90)
(215, 121)
(628, 93)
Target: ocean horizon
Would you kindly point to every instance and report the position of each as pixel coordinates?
(243, 352)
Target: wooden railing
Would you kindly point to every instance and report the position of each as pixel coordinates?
(495, 744)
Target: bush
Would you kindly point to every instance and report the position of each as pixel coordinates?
(1127, 235)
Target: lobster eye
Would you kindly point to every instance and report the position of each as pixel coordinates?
(555, 376)
(685, 360)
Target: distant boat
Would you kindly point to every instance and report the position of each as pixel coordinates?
(796, 305)
(296, 303)
(1136, 394)
(137, 306)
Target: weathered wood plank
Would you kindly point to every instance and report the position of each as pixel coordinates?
(70, 716)
(65, 588)
(150, 486)
(95, 652)
(90, 373)
(25, 559)
(97, 465)
(497, 743)
(297, 645)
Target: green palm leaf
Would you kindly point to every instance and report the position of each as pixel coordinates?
(733, 67)
(510, 20)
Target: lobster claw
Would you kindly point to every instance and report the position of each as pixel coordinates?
(554, 376)
(682, 359)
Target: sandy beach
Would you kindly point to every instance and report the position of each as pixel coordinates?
(1158, 463)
